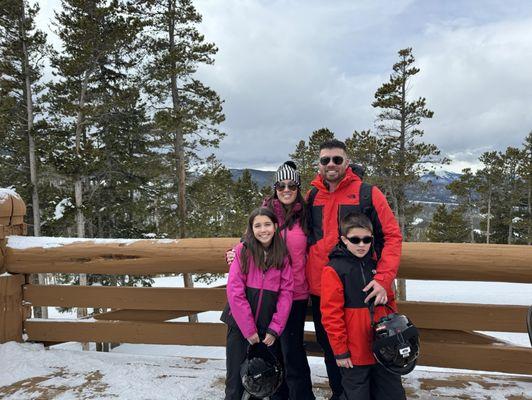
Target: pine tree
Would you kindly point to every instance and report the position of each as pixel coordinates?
(86, 70)
(188, 110)
(448, 227)
(465, 189)
(247, 197)
(122, 204)
(306, 156)
(211, 198)
(437, 230)
(22, 48)
(525, 171)
(97, 38)
(488, 178)
(398, 121)
(512, 190)
(374, 154)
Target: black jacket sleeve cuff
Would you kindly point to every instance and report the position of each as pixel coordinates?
(342, 356)
(272, 332)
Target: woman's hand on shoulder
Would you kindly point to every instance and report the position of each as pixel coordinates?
(230, 256)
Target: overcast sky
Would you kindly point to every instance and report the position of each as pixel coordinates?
(288, 67)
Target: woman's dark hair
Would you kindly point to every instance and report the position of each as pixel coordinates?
(273, 256)
(292, 213)
(355, 220)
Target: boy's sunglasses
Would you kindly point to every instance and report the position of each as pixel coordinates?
(357, 240)
(336, 160)
(280, 186)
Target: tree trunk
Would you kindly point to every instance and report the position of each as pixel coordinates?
(488, 232)
(471, 228)
(41, 279)
(78, 187)
(179, 150)
(529, 233)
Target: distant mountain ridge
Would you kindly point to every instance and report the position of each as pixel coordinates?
(436, 193)
(261, 178)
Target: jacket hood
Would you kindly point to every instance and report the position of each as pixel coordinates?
(349, 177)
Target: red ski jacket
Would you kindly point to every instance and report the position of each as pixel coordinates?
(329, 207)
(345, 316)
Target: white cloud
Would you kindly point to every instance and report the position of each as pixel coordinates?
(288, 67)
(477, 81)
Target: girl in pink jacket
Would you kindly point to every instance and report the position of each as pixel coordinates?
(259, 293)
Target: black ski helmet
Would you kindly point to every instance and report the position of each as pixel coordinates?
(396, 343)
(261, 371)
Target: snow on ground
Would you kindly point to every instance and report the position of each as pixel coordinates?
(36, 373)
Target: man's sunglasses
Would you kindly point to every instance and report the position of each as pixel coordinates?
(336, 159)
(280, 186)
(357, 240)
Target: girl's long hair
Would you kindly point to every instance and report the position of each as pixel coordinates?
(273, 256)
(291, 215)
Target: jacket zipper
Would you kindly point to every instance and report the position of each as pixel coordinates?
(259, 303)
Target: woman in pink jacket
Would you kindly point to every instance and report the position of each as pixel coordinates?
(259, 293)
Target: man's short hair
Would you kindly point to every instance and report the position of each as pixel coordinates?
(333, 144)
(355, 220)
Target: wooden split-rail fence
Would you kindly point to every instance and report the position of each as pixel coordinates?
(448, 331)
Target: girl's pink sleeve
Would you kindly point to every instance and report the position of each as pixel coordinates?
(236, 296)
(284, 301)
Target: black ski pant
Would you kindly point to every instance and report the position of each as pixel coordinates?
(297, 384)
(371, 382)
(236, 352)
(333, 371)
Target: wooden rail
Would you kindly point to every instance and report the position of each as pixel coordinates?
(441, 350)
(190, 299)
(429, 261)
(450, 316)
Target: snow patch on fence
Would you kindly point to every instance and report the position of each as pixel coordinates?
(6, 192)
(27, 242)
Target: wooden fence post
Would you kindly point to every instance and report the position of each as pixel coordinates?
(11, 308)
(12, 211)
(12, 312)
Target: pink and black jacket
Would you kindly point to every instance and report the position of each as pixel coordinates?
(258, 302)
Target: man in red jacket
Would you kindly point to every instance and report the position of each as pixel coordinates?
(336, 194)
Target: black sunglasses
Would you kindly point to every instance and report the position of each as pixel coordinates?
(357, 240)
(280, 186)
(336, 159)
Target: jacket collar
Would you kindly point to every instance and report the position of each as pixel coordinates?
(350, 176)
(341, 251)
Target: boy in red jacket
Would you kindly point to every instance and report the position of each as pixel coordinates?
(346, 317)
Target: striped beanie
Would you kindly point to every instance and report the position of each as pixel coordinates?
(287, 171)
